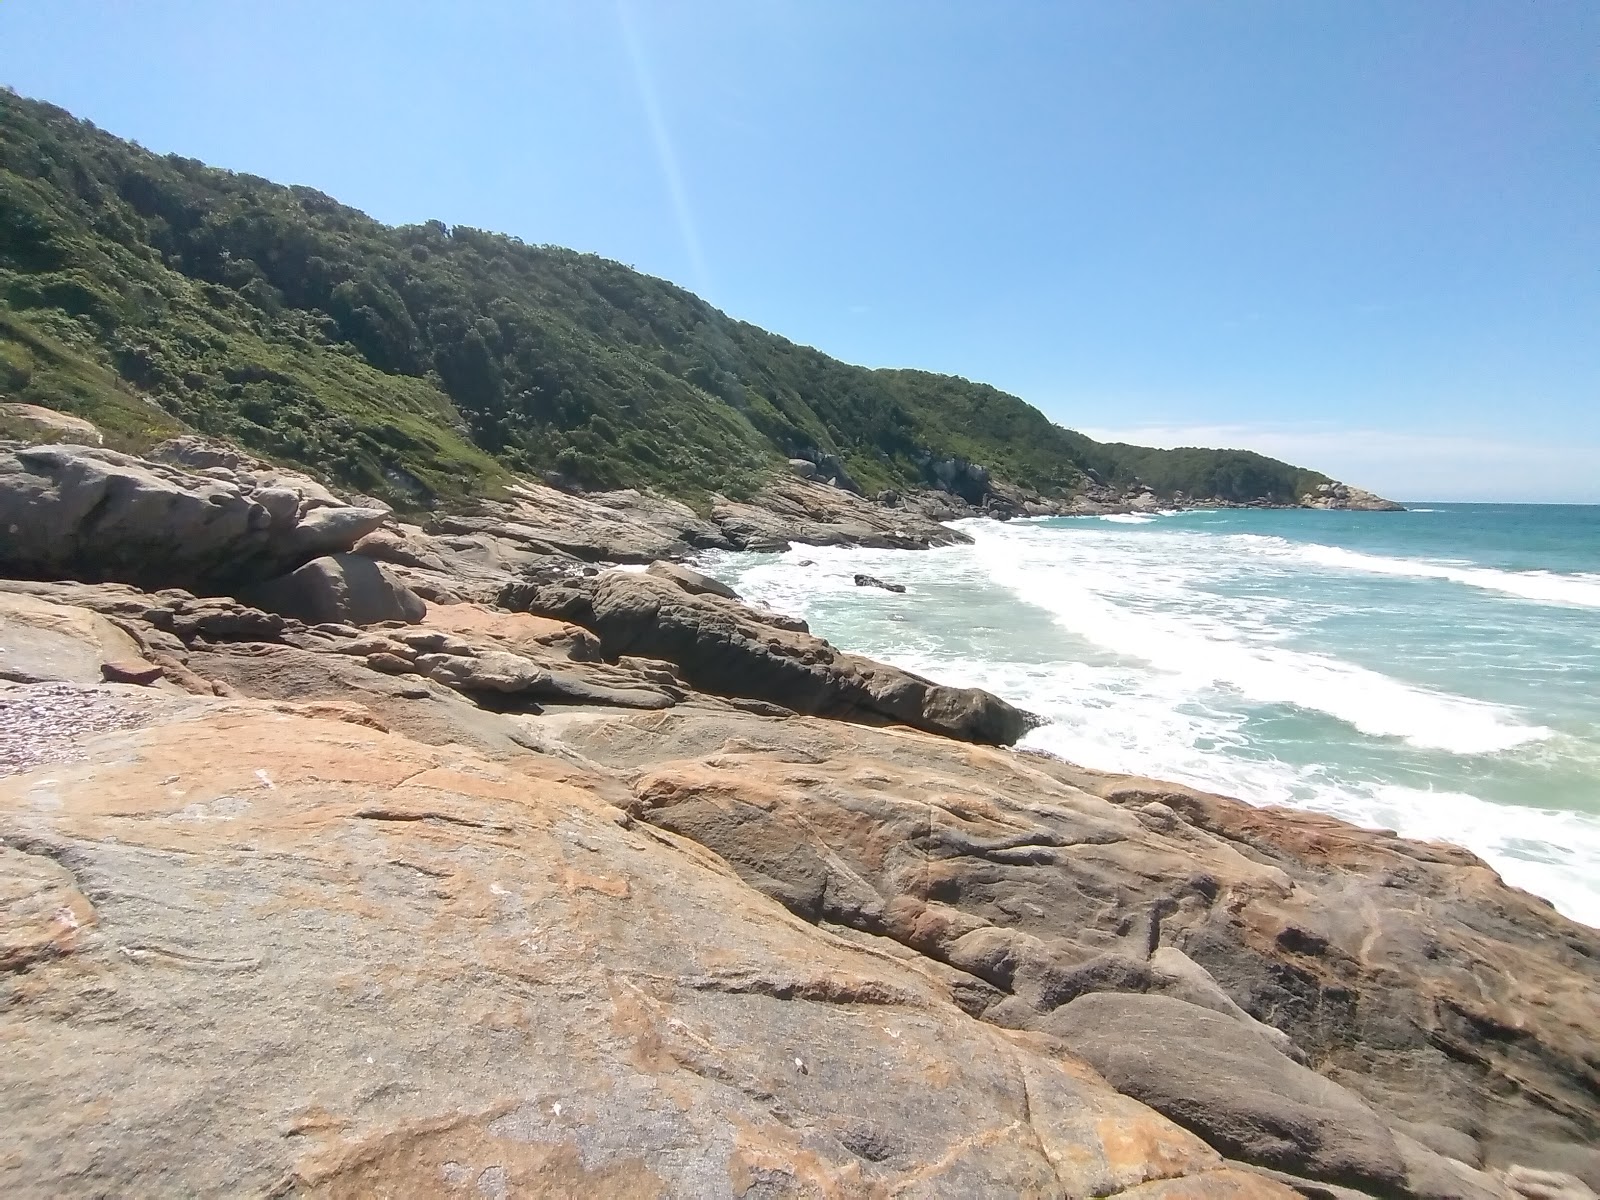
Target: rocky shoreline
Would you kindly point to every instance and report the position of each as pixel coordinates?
(343, 855)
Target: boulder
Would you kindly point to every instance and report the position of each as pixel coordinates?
(490, 671)
(93, 514)
(727, 649)
(58, 426)
(1221, 1080)
(339, 587)
(692, 582)
(520, 632)
(874, 581)
(329, 530)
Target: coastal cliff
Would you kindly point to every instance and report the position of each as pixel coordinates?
(346, 854)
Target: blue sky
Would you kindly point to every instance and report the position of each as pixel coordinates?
(1364, 236)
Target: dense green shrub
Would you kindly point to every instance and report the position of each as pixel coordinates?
(309, 332)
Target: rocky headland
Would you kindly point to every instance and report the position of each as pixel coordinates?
(502, 853)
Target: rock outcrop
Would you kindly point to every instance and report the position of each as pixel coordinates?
(727, 649)
(1342, 495)
(790, 510)
(338, 587)
(56, 426)
(293, 956)
(83, 512)
(873, 581)
(1405, 973)
(395, 891)
(619, 527)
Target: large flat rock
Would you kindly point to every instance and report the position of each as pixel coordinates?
(300, 957)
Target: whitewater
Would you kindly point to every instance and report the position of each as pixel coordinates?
(1435, 672)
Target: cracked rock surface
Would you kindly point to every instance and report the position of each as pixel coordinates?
(572, 900)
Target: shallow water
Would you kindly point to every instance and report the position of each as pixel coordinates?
(1436, 672)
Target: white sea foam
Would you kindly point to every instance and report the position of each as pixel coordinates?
(1128, 518)
(1091, 599)
(1140, 662)
(1547, 587)
(1128, 721)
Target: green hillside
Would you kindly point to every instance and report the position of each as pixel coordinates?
(428, 363)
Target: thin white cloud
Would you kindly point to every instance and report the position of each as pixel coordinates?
(1406, 465)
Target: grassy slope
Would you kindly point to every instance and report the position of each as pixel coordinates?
(427, 364)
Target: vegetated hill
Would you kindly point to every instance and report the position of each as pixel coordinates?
(427, 363)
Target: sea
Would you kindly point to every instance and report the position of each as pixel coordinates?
(1435, 672)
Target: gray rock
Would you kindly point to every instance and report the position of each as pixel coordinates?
(87, 513)
(874, 581)
(341, 588)
(282, 505)
(332, 530)
(1214, 1076)
(489, 671)
(727, 649)
(692, 582)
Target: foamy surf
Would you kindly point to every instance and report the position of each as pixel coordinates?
(1546, 587)
(1221, 650)
(1204, 652)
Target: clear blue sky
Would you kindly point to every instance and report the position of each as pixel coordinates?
(1362, 235)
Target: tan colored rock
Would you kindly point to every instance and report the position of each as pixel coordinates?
(522, 633)
(49, 421)
(1404, 972)
(134, 671)
(325, 960)
(42, 640)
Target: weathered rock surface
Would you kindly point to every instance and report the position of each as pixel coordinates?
(727, 649)
(1342, 495)
(83, 512)
(520, 632)
(624, 527)
(790, 509)
(45, 641)
(692, 582)
(345, 910)
(301, 957)
(1232, 1088)
(338, 587)
(1404, 972)
(57, 426)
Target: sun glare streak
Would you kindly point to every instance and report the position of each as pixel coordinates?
(664, 149)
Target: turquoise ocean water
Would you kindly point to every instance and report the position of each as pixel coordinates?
(1436, 672)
